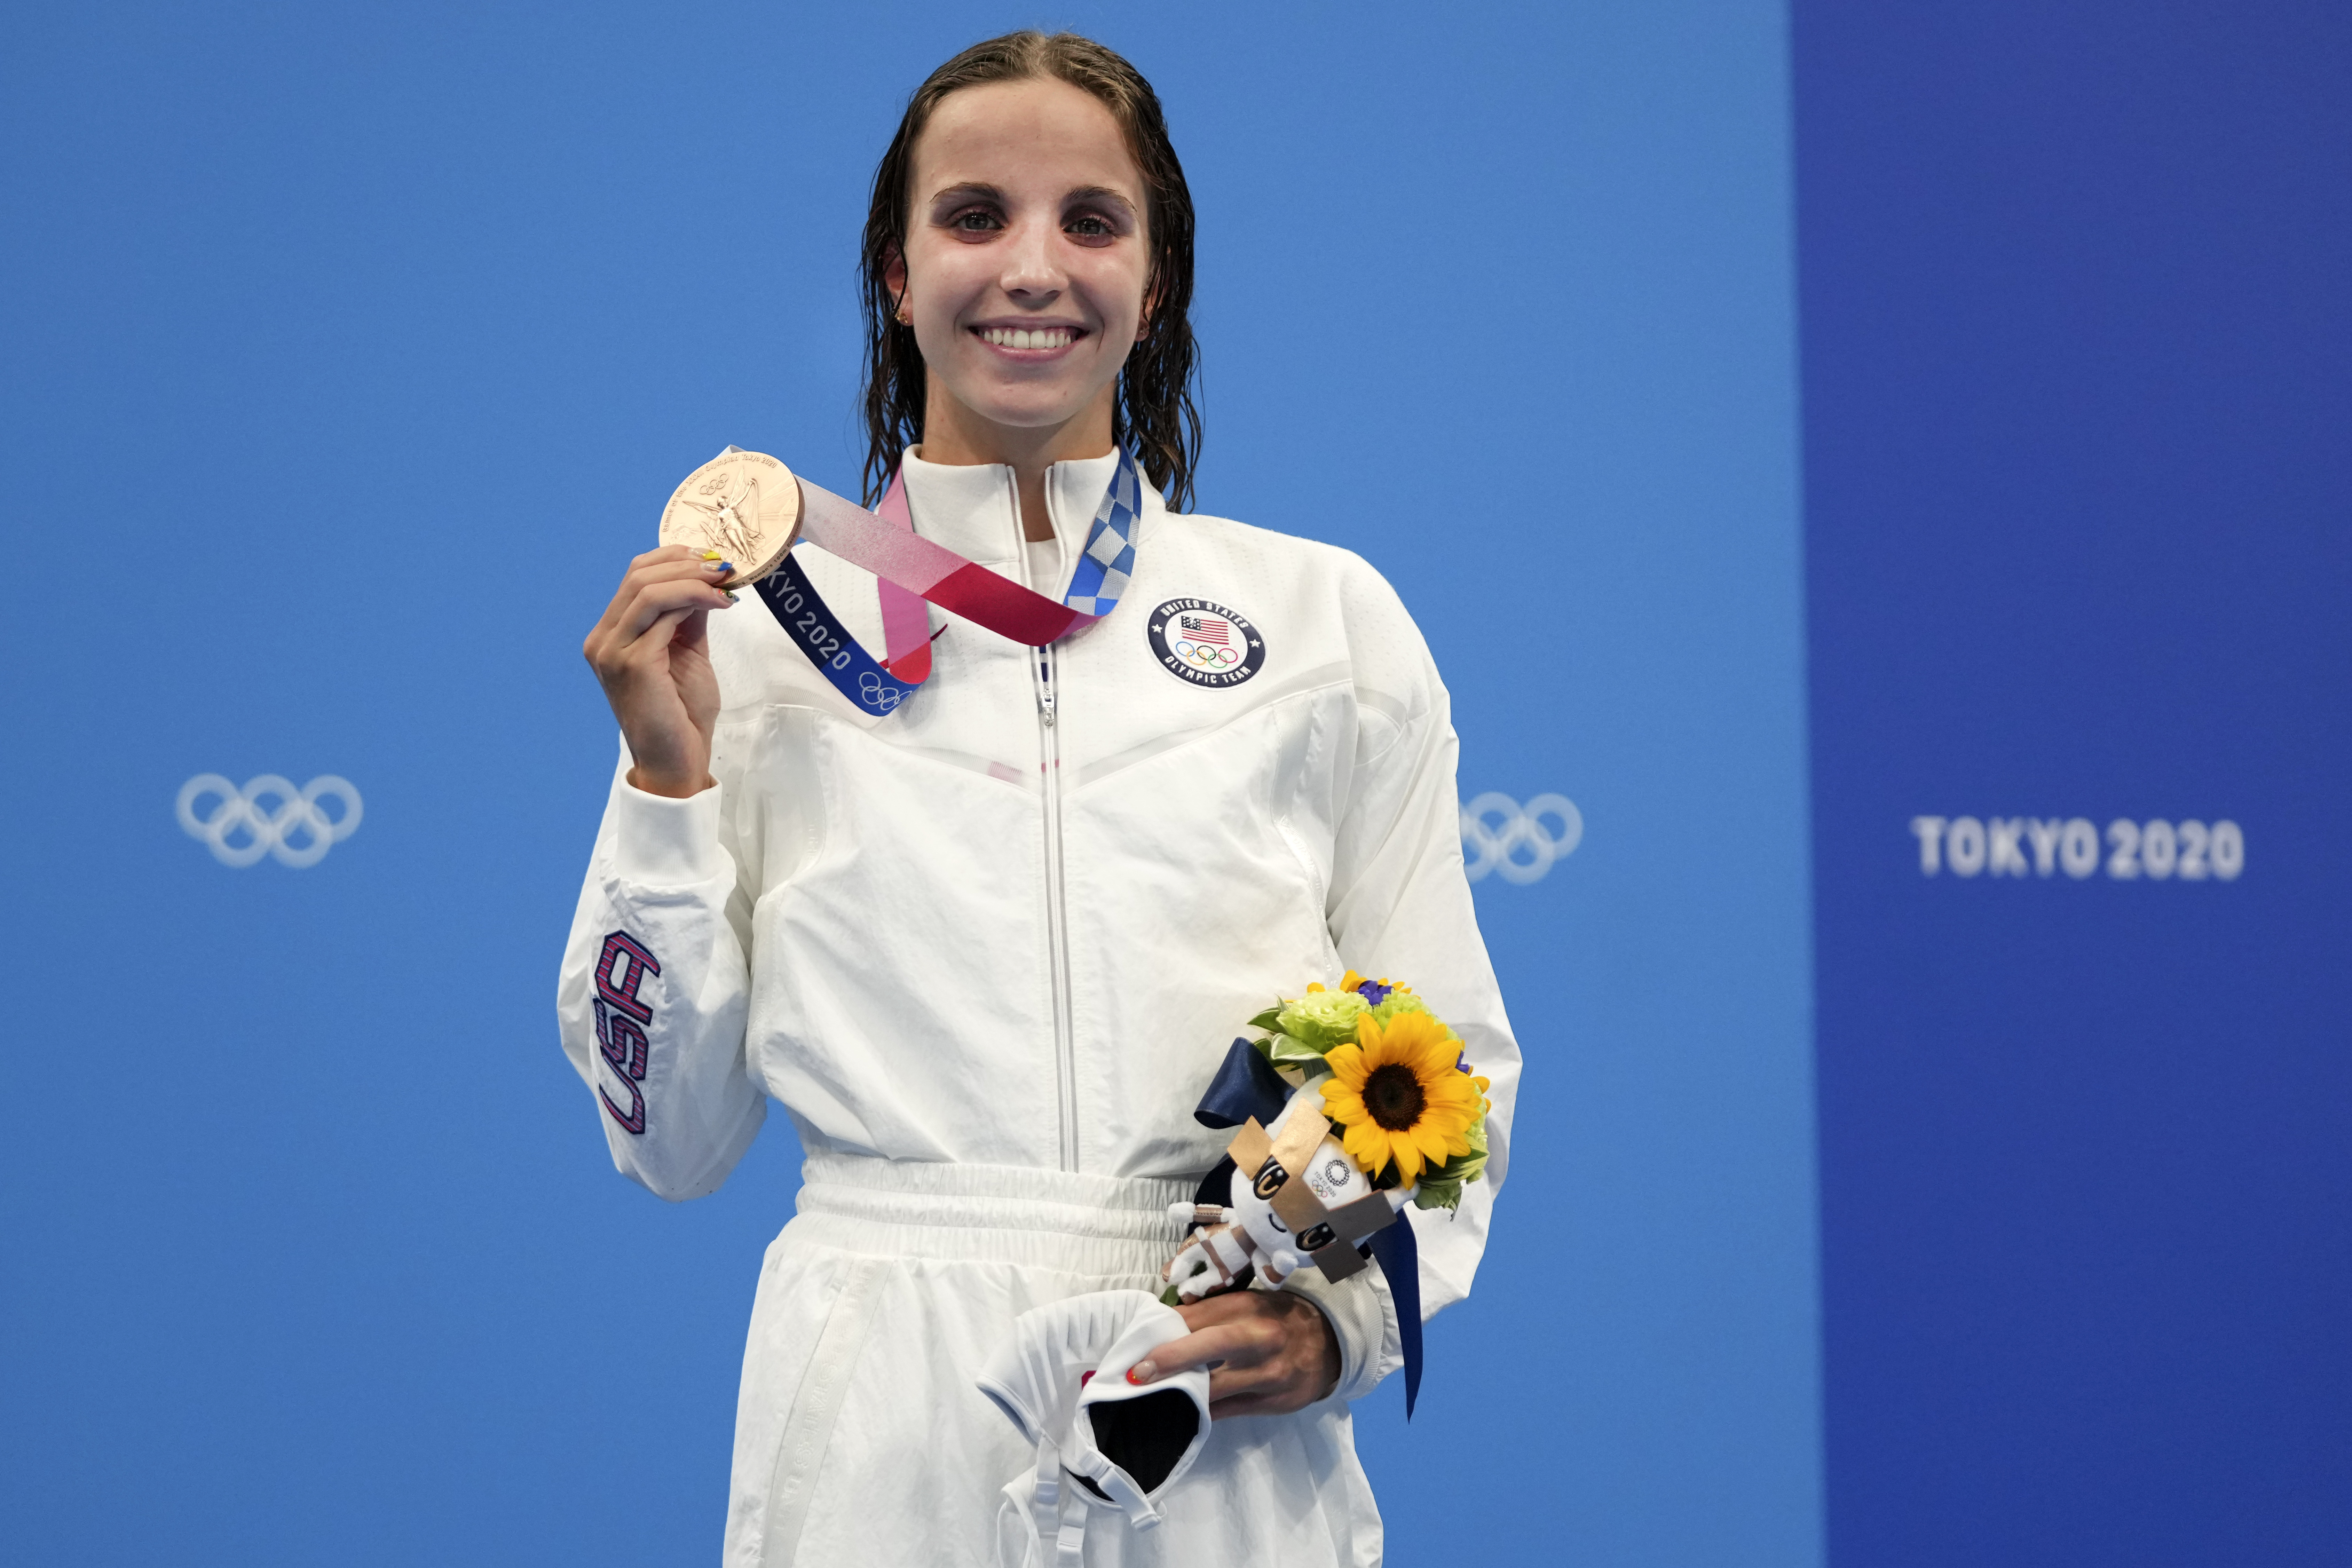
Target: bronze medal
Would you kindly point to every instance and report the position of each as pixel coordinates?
(744, 504)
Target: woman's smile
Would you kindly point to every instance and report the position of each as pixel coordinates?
(1035, 343)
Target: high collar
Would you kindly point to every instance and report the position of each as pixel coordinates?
(970, 507)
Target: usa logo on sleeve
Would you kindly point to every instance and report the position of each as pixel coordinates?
(1205, 642)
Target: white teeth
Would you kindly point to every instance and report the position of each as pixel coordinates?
(1017, 338)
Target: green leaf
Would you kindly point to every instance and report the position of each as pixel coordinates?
(1435, 1194)
(1266, 1020)
(1456, 1173)
(1287, 1051)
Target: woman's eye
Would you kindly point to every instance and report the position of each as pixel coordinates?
(974, 222)
(1089, 227)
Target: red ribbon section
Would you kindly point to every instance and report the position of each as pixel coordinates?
(930, 572)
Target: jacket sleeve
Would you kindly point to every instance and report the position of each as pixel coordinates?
(652, 996)
(1399, 907)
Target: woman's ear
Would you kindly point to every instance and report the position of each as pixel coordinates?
(893, 278)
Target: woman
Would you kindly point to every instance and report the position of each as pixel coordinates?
(988, 950)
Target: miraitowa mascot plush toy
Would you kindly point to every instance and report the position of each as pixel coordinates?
(1295, 1199)
(1109, 1450)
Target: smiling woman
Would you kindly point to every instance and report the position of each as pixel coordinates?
(1098, 197)
(1029, 236)
(982, 944)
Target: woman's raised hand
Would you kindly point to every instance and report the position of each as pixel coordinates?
(652, 652)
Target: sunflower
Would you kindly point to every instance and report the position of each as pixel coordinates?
(1400, 1095)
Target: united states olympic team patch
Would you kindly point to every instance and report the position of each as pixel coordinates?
(1206, 644)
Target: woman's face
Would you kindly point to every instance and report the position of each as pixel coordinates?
(1026, 258)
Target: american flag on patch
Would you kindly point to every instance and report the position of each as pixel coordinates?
(1203, 628)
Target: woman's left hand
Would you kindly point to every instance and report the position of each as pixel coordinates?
(1277, 1351)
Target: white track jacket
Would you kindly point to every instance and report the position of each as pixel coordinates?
(1018, 922)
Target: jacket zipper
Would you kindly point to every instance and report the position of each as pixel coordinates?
(1049, 751)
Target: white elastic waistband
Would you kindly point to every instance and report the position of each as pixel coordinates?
(1091, 1225)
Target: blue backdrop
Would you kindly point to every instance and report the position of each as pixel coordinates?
(2077, 300)
(352, 351)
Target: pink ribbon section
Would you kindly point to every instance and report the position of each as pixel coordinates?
(905, 626)
(904, 558)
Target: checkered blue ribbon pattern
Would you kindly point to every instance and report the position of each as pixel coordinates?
(1108, 560)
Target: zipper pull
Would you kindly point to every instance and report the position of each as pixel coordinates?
(1045, 691)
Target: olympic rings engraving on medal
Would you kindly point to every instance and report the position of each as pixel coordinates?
(269, 816)
(1500, 835)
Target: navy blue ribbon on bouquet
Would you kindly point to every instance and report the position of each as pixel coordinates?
(1246, 1086)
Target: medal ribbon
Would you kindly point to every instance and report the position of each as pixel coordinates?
(906, 629)
(916, 569)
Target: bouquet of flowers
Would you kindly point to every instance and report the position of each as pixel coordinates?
(1367, 1104)
(1394, 1078)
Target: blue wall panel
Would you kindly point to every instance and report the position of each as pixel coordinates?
(2077, 298)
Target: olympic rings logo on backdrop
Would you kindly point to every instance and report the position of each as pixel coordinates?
(1500, 835)
(269, 816)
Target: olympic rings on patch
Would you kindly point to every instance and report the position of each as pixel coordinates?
(874, 694)
(293, 832)
(1517, 843)
(1205, 655)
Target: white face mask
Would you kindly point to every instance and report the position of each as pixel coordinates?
(1061, 1379)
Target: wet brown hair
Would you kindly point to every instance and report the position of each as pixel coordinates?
(1153, 413)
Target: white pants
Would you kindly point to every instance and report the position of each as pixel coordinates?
(860, 1437)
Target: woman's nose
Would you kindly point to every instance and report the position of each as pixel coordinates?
(1030, 267)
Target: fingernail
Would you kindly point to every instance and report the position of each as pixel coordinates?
(733, 597)
(1142, 1372)
(721, 567)
(710, 555)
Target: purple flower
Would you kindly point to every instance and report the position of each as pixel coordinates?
(1373, 992)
